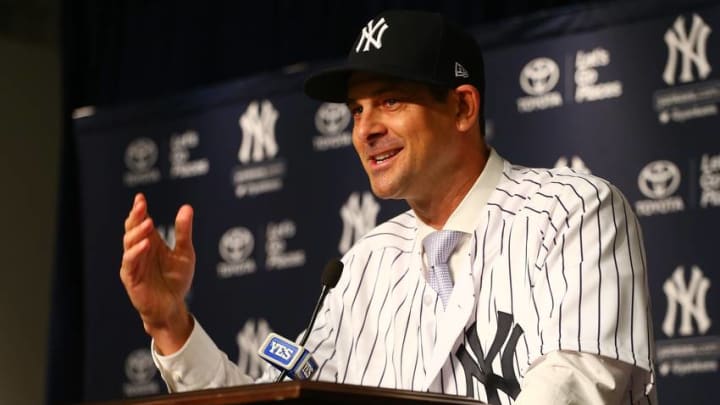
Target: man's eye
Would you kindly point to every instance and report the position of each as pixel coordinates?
(391, 102)
(355, 111)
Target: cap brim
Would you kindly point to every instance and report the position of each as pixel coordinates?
(331, 84)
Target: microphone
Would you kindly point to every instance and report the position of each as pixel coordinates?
(287, 356)
(330, 276)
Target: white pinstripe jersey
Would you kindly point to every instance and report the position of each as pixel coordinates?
(556, 262)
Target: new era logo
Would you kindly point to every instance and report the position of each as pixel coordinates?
(460, 71)
(372, 35)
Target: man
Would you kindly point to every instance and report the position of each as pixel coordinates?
(502, 283)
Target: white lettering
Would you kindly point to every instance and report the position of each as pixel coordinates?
(683, 114)
(134, 390)
(280, 350)
(276, 244)
(596, 57)
(135, 179)
(326, 142)
(532, 103)
(664, 206)
(598, 92)
(693, 367)
(180, 164)
(710, 181)
(248, 174)
(258, 187)
(227, 270)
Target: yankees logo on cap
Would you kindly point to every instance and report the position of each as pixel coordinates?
(371, 35)
(411, 45)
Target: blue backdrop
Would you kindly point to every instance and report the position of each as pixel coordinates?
(277, 189)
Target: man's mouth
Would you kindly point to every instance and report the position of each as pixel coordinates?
(384, 156)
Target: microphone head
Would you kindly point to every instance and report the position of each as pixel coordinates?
(331, 273)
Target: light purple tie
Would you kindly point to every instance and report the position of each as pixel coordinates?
(439, 245)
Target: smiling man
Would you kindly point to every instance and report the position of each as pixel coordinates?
(417, 144)
(502, 283)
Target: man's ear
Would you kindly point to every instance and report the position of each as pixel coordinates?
(468, 107)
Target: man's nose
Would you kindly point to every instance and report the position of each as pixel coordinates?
(368, 126)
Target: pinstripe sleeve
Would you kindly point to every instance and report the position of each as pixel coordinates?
(589, 280)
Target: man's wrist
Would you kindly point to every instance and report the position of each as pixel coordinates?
(170, 336)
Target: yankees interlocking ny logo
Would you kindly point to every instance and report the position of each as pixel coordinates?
(692, 46)
(482, 369)
(372, 35)
(690, 297)
(358, 218)
(249, 339)
(258, 132)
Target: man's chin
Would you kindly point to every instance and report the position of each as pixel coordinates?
(385, 192)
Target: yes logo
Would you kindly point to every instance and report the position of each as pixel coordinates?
(281, 351)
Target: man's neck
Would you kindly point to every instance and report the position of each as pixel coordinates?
(436, 209)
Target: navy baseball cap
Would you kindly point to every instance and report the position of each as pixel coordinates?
(411, 45)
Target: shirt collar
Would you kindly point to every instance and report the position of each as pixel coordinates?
(466, 215)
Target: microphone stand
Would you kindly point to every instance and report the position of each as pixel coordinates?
(331, 275)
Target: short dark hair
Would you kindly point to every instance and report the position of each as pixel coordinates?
(440, 94)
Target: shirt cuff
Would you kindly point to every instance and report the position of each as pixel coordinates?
(191, 367)
(563, 378)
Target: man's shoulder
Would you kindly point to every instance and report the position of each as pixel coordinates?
(542, 189)
(397, 232)
(539, 182)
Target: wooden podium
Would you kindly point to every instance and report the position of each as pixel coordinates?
(296, 392)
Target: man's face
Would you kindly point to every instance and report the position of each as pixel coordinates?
(403, 136)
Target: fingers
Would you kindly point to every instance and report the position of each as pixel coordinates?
(183, 228)
(138, 212)
(138, 233)
(131, 259)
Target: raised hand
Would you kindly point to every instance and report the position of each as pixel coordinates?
(158, 278)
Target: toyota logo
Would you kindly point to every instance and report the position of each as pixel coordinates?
(659, 179)
(539, 76)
